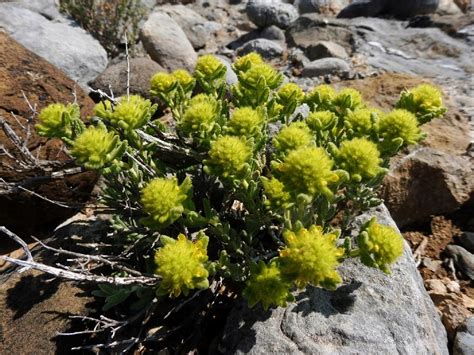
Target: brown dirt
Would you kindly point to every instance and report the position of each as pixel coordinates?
(42, 83)
(453, 305)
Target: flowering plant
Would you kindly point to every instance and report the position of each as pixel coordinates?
(238, 189)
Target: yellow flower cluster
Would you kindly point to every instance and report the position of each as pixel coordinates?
(95, 148)
(311, 257)
(182, 265)
(200, 116)
(295, 136)
(246, 121)
(308, 170)
(424, 101)
(360, 158)
(399, 124)
(229, 157)
(321, 120)
(55, 120)
(379, 245)
(276, 195)
(164, 201)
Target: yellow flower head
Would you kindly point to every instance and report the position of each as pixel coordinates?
(181, 264)
(308, 170)
(321, 120)
(348, 98)
(295, 136)
(379, 245)
(271, 77)
(132, 112)
(162, 83)
(289, 92)
(424, 101)
(246, 121)
(184, 78)
(245, 62)
(360, 158)
(164, 201)
(321, 98)
(275, 193)
(210, 67)
(95, 148)
(360, 121)
(311, 257)
(55, 120)
(200, 116)
(268, 286)
(399, 124)
(229, 156)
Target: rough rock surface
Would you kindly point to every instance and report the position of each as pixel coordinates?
(166, 43)
(197, 28)
(325, 49)
(141, 71)
(266, 48)
(372, 313)
(320, 6)
(325, 66)
(427, 182)
(42, 83)
(265, 13)
(67, 46)
(47, 8)
(428, 52)
(464, 342)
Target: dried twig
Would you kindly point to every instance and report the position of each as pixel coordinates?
(100, 259)
(72, 275)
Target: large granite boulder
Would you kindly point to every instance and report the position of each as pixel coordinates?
(63, 44)
(372, 313)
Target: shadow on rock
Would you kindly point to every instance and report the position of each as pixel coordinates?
(326, 302)
(30, 291)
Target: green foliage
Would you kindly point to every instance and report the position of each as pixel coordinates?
(274, 192)
(268, 286)
(109, 21)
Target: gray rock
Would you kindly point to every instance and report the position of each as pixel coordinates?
(467, 241)
(464, 341)
(265, 47)
(427, 182)
(428, 52)
(230, 76)
(325, 66)
(372, 313)
(307, 6)
(197, 28)
(397, 8)
(265, 13)
(68, 47)
(166, 43)
(463, 259)
(273, 33)
(325, 49)
(115, 76)
(47, 8)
